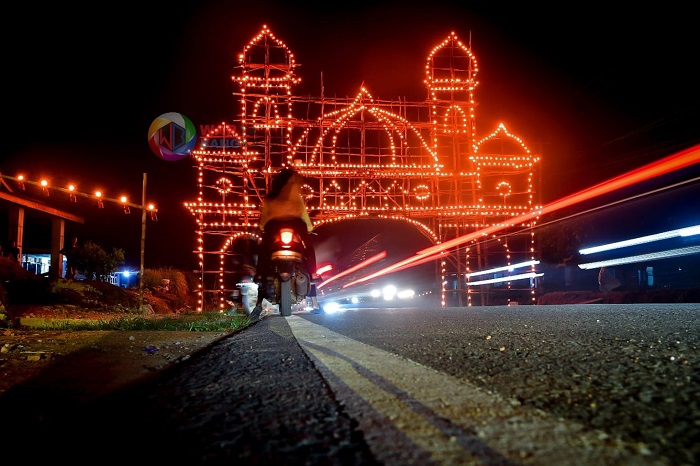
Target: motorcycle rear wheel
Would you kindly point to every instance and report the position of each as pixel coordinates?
(286, 298)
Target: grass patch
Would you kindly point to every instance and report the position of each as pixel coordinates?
(204, 322)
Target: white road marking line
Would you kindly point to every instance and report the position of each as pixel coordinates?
(454, 421)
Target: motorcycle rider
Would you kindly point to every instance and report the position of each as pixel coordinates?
(283, 201)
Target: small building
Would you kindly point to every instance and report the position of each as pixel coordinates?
(16, 209)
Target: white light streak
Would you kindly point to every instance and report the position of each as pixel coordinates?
(509, 268)
(642, 257)
(506, 279)
(689, 231)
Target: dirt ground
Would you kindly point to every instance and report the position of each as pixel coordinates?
(89, 363)
(92, 362)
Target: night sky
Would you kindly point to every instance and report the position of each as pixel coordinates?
(597, 92)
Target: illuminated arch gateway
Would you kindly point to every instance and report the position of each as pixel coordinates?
(369, 158)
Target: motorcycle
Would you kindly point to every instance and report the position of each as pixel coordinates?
(287, 281)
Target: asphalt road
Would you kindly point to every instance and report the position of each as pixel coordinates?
(578, 384)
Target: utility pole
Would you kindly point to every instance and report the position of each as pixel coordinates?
(143, 241)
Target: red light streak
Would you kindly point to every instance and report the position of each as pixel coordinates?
(372, 259)
(663, 166)
(414, 262)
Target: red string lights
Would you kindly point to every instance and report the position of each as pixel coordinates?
(73, 194)
(98, 196)
(125, 204)
(423, 163)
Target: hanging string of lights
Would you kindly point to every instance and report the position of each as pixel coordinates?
(73, 194)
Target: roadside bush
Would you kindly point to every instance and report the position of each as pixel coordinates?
(176, 281)
(27, 290)
(11, 270)
(95, 263)
(93, 294)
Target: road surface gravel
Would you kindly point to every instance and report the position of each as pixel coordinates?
(626, 373)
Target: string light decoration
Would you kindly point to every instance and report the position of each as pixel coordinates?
(419, 163)
(125, 206)
(72, 191)
(98, 196)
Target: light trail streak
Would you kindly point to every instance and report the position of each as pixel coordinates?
(364, 263)
(642, 257)
(683, 232)
(413, 264)
(510, 268)
(510, 278)
(682, 159)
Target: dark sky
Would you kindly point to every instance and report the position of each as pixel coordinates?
(596, 92)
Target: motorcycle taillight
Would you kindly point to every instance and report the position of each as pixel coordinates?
(286, 235)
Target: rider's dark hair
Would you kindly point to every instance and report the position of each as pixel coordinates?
(279, 181)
